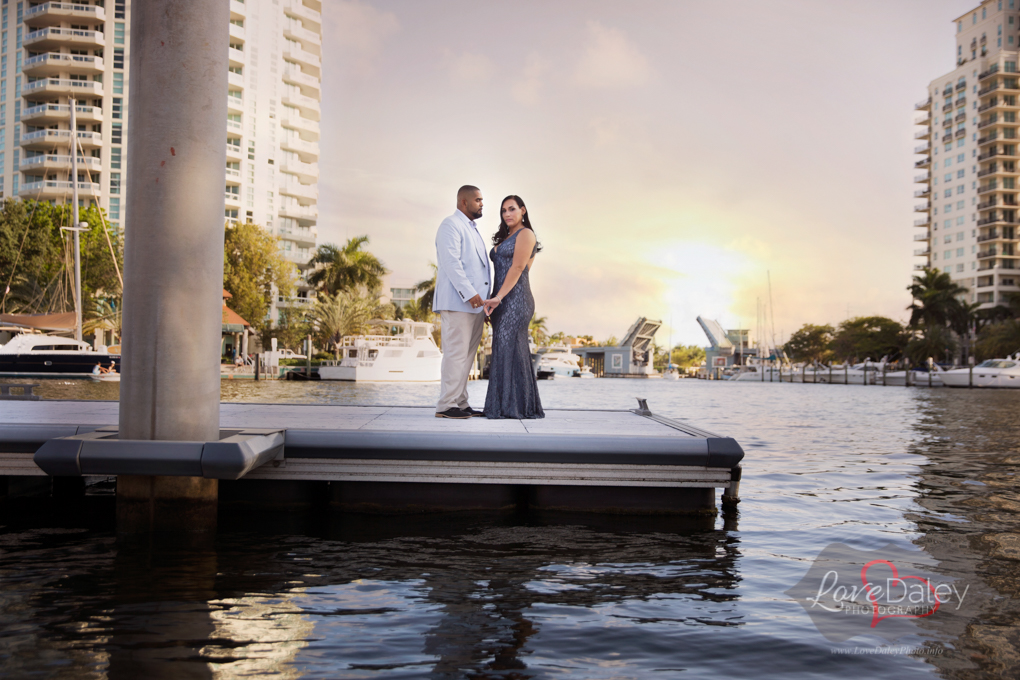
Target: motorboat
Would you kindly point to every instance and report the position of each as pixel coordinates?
(31, 355)
(996, 373)
(557, 361)
(671, 374)
(585, 372)
(918, 377)
(409, 355)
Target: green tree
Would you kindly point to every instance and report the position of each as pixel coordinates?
(346, 268)
(810, 343)
(537, 328)
(936, 342)
(427, 288)
(290, 329)
(869, 337)
(687, 356)
(347, 312)
(417, 310)
(36, 259)
(998, 340)
(611, 341)
(252, 266)
(937, 301)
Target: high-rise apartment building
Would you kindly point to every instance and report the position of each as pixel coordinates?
(971, 154)
(53, 52)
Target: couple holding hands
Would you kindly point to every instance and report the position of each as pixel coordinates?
(462, 283)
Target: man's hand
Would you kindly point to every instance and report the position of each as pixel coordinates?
(476, 302)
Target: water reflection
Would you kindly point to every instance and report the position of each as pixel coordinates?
(968, 493)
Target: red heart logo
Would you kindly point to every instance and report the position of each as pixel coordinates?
(875, 618)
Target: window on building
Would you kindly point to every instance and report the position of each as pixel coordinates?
(118, 57)
(117, 133)
(949, 177)
(959, 220)
(959, 237)
(959, 267)
(959, 173)
(118, 33)
(117, 109)
(114, 183)
(960, 189)
(115, 158)
(959, 205)
(946, 255)
(948, 193)
(118, 83)
(948, 238)
(118, 9)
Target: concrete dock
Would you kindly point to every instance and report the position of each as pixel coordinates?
(392, 459)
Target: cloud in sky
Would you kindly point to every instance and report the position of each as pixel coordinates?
(609, 59)
(673, 155)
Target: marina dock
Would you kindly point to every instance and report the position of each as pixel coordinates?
(392, 459)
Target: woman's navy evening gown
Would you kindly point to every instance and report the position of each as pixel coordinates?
(513, 389)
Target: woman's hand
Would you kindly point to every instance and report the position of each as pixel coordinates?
(490, 305)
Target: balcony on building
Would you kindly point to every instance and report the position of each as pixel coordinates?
(309, 84)
(58, 87)
(47, 139)
(47, 114)
(47, 162)
(310, 40)
(922, 179)
(922, 207)
(235, 104)
(923, 163)
(235, 80)
(299, 10)
(920, 267)
(923, 134)
(237, 9)
(293, 120)
(308, 152)
(236, 33)
(307, 172)
(55, 13)
(309, 62)
(960, 132)
(49, 39)
(233, 152)
(922, 193)
(985, 282)
(235, 55)
(53, 64)
(991, 87)
(987, 253)
(304, 236)
(992, 70)
(52, 189)
(232, 200)
(922, 252)
(308, 106)
(299, 212)
(922, 237)
(307, 192)
(923, 222)
(948, 137)
(294, 300)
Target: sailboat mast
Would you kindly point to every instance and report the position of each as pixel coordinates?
(74, 221)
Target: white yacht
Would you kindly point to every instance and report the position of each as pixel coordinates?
(586, 372)
(31, 355)
(408, 356)
(557, 361)
(1002, 373)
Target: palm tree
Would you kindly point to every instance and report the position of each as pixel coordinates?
(538, 329)
(427, 288)
(346, 313)
(937, 302)
(417, 310)
(343, 269)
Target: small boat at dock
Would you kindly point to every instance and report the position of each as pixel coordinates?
(410, 355)
(994, 373)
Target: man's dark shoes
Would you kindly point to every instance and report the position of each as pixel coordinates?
(457, 413)
(474, 413)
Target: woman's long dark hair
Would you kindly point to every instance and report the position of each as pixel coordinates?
(504, 230)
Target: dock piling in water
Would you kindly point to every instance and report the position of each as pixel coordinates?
(173, 252)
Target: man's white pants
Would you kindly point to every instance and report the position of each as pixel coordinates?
(462, 331)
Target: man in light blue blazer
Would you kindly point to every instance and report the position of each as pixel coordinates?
(462, 284)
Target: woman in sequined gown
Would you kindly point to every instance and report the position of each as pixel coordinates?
(513, 389)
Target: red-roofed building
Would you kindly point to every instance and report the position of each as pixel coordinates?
(235, 331)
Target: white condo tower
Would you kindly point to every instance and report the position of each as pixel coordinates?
(51, 52)
(970, 153)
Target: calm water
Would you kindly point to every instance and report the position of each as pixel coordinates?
(930, 471)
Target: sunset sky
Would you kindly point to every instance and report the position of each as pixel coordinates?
(672, 153)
